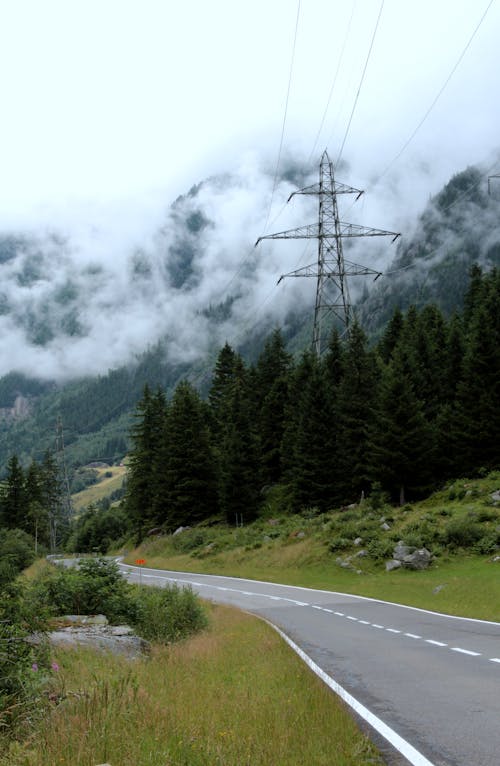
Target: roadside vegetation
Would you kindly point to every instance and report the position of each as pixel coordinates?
(346, 550)
(233, 694)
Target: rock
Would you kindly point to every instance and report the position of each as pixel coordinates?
(358, 541)
(209, 548)
(401, 550)
(121, 630)
(102, 638)
(418, 559)
(361, 554)
(496, 558)
(179, 530)
(273, 522)
(438, 589)
(300, 535)
(266, 539)
(392, 564)
(495, 496)
(85, 619)
(351, 506)
(154, 531)
(385, 526)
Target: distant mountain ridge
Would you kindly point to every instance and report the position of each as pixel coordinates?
(459, 227)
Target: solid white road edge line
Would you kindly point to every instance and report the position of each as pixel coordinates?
(401, 745)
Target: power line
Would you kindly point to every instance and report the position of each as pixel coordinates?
(438, 95)
(339, 64)
(361, 83)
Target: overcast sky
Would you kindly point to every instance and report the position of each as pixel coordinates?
(113, 108)
(106, 101)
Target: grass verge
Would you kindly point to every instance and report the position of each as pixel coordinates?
(234, 694)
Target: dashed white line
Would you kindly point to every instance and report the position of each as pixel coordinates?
(352, 618)
(392, 630)
(339, 614)
(465, 651)
(411, 635)
(434, 643)
(494, 659)
(363, 622)
(380, 627)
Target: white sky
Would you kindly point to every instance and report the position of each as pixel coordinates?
(109, 100)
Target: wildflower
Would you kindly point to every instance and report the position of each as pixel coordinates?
(34, 667)
(55, 667)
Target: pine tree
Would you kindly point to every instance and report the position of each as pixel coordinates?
(272, 377)
(222, 380)
(190, 475)
(13, 504)
(401, 441)
(355, 402)
(146, 436)
(239, 463)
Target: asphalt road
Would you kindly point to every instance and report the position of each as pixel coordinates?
(428, 684)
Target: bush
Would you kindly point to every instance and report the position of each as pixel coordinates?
(167, 614)
(339, 544)
(379, 550)
(487, 544)
(94, 587)
(461, 533)
(189, 540)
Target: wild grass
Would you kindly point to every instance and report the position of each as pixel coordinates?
(234, 694)
(460, 525)
(103, 488)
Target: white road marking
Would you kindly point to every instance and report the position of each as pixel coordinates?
(465, 651)
(433, 642)
(413, 756)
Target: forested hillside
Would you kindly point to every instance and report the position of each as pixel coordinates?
(400, 418)
(458, 228)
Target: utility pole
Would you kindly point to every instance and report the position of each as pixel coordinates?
(332, 269)
(489, 180)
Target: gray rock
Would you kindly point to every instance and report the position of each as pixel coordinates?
(358, 541)
(86, 619)
(101, 638)
(401, 550)
(495, 496)
(418, 559)
(438, 589)
(385, 526)
(300, 535)
(361, 554)
(179, 530)
(392, 564)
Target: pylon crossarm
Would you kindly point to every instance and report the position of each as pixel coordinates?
(317, 189)
(303, 232)
(305, 271)
(353, 230)
(356, 270)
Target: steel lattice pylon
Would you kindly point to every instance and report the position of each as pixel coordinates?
(331, 270)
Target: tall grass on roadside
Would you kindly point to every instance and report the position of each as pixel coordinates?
(234, 694)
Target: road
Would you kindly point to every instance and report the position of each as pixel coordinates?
(428, 684)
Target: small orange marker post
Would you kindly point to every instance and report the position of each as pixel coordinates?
(140, 563)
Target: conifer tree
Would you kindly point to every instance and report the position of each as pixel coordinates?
(272, 372)
(356, 400)
(190, 476)
(239, 491)
(401, 444)
(13, 504)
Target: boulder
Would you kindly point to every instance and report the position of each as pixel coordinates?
(385, 526)
(179, 530)
(495, 496)
(358, 541)
(418, 559)
(401, 550)
(392, 564)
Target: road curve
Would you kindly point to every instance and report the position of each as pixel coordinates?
(428, 684)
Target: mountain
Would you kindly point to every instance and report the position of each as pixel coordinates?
(181, 290)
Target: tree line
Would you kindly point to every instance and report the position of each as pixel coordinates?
(400, 416)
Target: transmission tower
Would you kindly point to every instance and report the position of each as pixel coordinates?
(332, 269)
(60, 510)
(489, 182)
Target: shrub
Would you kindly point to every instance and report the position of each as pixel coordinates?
(488, 544)
(95, 586)
(339, 544)
(168, 614)
(461, 533)
(189, 540)
(380, 550)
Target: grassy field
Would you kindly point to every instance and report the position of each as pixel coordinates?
(105, 486)
(460, 525)
(234, 694)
